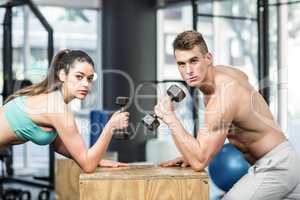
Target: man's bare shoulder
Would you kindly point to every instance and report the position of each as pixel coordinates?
(231, 72)
(232, 77)
(230, 89)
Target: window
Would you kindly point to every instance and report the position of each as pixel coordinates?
(170, 22)
(231, 33)
(291, 54)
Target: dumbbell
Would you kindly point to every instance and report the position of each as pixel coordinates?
(121, 134)
(176, 94)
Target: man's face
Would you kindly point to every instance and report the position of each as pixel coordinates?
(193, 65)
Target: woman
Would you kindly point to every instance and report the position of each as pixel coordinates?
(40, 113)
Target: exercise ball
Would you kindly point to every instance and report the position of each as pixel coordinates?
(227, 167)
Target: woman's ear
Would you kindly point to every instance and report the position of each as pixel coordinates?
(62, 75)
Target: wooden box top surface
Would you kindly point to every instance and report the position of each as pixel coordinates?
(143, 172)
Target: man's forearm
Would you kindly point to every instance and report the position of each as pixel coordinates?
(189, 147)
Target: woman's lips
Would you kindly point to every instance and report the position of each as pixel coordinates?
(83, 92)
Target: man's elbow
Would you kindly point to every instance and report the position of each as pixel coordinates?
(197, 166)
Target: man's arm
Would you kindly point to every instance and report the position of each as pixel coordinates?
(219, 114)
(199, 152)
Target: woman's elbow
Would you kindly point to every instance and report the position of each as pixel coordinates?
(88, 169)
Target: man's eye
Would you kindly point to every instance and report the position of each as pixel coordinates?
(79, 77)
(194, 61)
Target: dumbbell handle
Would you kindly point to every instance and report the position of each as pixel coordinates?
(122, 109)
(122, 134)
(176, 94)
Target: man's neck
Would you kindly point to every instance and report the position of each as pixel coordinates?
(208, 85)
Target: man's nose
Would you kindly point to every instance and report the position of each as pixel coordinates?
(189, 69)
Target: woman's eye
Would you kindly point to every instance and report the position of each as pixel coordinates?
(90, 79)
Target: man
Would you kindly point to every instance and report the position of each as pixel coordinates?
(233, 110)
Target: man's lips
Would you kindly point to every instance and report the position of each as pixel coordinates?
(193, 78)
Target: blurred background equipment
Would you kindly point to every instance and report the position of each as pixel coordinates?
(227, 167)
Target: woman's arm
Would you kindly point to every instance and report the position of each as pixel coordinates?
(60, 148)
(87, 159)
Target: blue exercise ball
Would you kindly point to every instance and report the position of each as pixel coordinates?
(227, 167)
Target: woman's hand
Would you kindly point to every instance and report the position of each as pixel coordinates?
(111, 163)
(179, 161)
(119, 120)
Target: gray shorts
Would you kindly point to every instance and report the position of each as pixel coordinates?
(274, 176)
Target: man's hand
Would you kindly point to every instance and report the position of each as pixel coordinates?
(110, 163)
(165, 110)
(179, 161)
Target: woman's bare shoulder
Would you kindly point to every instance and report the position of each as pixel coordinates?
(50, 103)
(59, 113)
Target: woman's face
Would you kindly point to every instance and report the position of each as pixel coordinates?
(78, 81)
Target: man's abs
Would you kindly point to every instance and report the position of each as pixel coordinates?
(255, 145)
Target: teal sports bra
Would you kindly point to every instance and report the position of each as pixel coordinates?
(23, 126)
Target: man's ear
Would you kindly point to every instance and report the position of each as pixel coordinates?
(209, 57)
(62, 75)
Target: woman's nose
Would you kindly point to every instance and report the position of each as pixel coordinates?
(85, 82)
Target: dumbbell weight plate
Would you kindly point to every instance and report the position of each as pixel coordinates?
(151, 122)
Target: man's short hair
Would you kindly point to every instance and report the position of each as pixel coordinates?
(187, 40)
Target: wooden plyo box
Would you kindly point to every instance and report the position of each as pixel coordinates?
(66, 180)
(144, 183)
(67, 177)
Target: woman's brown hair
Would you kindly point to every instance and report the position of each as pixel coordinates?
(63, 60)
